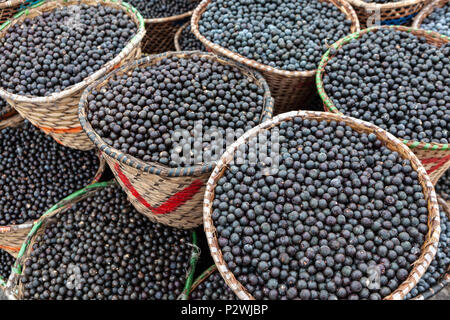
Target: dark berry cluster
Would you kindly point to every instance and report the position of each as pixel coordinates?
(443, 186)
(338, 211)
(441, 262)
(60, 48)
(152, 9)
(4, 107)
(213, 288)
(139, 113)
(6, 262)
(438, 20)
(288, 35)
(188, 41)
(395, 80)
(36, 172)
(103, 249)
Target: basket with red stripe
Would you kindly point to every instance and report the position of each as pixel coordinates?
(435, 157)
(170, 196)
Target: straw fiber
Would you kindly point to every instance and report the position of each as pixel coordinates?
(435, 157)
(171, 196)
(57, 114)
(430, 244)
(426, 11)
(9, 9)
(392, 13)
(289, 88)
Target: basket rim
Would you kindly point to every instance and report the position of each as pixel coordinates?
(201, 8)
(385, 6)
(429, 246)
(130, 46)
(168, 19)
(64, 205)
(11, 3)
(176, 38)
(152, 167)
(426, 11)
(329, 106)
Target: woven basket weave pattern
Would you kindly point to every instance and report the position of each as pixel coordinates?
(428, 248)
(57, 114)
(161, 32)
(289, 88)
(9, 9)
(151, 186)
(434, 156)
(426, 11)
(367, 12)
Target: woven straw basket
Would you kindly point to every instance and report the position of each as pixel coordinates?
(289, 88)
(426, 11)
(161, 31)
(12, 236)
(430, 244)
(9, 9)
(445, 280)
(57, 114)
(393, 13)
(434, 156)
(170, 196)
(14, 286)
(176, 39)
(10, 120)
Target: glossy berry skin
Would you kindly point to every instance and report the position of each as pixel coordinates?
(438, 20)
(188, 41)
(213, 288)
(53, 51)
(441, 262)
(102, 249)
(6, 262)
(138, 114)
(395, 80)
(338, 208)
(288, 35)
(443, 186)
(36, 172)
(152, 9)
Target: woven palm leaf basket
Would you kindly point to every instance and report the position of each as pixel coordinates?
(434, 156)
(12, 236)
(426, 11)
(430, 243)
(170, 196)
(445, 278)
(161, 31)
(57, 113)
(289, 88)
(14, 285)
(10, 120)
(10, 8)
(392, 13)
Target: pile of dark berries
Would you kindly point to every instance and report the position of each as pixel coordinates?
(395, 80)
(441, 262)
(213, 288)
(288, 35)
(103, 249)
(152, 9)
(339, 209)
(188, 41)
(4, 107)
(140, 113)
(60, 48)
(6, 262)
(443, 186)
(438, 20)
(36, 172)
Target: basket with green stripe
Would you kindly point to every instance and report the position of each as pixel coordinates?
(9, 8)
(14, 286)
(435, 157)
(57, 114)
(170, 196)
